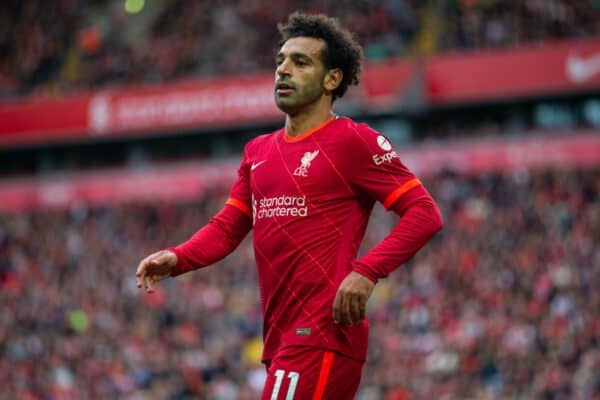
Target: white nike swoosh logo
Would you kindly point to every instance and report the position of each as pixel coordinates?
(256, 165)
(581, 69)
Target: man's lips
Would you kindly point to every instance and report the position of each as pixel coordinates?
(283, 87)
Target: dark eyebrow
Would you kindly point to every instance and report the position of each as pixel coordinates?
(296, 56)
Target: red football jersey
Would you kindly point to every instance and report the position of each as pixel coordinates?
(310, 198)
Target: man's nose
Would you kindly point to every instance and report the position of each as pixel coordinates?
(283, 69)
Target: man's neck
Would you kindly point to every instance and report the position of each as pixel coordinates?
(304, 121)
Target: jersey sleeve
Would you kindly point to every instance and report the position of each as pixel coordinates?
(214, 241)
(240, 195)
(224, 232)
(376, 170)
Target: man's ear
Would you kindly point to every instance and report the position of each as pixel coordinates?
(333, 79)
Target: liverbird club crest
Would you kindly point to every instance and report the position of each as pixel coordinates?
(307, 158)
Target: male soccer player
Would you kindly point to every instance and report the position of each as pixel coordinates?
(307, 191)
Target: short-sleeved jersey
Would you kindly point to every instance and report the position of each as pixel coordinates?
(310, 198)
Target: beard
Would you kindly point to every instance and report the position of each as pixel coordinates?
(302, 96)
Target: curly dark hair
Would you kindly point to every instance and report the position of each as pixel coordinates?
(341, 51)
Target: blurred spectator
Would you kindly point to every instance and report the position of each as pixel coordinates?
(503, 305)
(71, 45)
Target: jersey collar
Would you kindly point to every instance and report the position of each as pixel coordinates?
(304, 135)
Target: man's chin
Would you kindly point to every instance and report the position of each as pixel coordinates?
(286, 105)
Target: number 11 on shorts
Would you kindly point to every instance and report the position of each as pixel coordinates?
(292, 376)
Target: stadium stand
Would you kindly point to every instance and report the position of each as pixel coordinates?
(504, 304)
(66, 46)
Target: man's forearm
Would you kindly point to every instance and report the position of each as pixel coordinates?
(213, 242)
(418, 224)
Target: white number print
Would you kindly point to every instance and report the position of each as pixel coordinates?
(292, 376)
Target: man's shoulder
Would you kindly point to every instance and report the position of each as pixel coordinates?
(348, 126)
(263, 139)
(354, 135)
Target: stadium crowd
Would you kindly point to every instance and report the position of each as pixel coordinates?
(503, 305)
(71, 45)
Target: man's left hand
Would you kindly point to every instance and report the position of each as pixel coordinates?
(350, 303)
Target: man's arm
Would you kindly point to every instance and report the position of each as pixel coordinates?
(417, 224)
(376, 171)
(420, 220)
(211, 243)
(214, 241)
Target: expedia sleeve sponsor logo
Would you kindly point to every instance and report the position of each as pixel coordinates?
(384, 143)
(379, 159)
(386, 146)
(281, 206)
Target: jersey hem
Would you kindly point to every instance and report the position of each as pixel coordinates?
(337, 351)
(365, 271)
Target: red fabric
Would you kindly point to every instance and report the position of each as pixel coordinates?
(310, 202)
(213, 242)
(419, 222)
(311, 199)
(319, 375)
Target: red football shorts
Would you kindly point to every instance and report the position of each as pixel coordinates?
(307, 373)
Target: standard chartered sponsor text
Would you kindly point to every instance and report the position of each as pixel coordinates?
(281, 206)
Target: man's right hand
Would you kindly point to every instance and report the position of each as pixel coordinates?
(154, 268)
